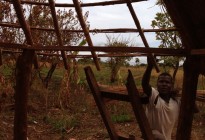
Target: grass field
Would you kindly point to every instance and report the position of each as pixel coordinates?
(69, 113)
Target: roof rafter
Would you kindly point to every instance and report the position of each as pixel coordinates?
(57, 30)
(86, 31)
(25, 26)
(144, 40)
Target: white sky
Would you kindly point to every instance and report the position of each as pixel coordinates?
(118, 16)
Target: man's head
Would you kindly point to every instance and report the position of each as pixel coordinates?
(164, 83)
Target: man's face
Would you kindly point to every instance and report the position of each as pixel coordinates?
(164, 84)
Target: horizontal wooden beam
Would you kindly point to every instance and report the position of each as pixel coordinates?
(82, 4)
(155, 51)
(115, 96)
(198, 52)
(79, 55)
(123, 91)
(86, 55)
(111, 30)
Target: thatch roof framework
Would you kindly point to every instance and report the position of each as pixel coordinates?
(187, 15)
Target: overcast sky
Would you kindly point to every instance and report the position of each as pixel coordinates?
(118, 16)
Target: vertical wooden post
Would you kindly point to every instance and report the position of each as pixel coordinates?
(191, 73)
(23, 77)
(138, 108)
(100, 104)
(1, 59)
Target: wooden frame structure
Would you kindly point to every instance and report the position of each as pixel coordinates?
(132, 97)
(187, 15)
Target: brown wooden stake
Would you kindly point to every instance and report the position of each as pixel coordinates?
(1, 60)
(100, 104)
(23, 77)
(138, 108)
(191, 73)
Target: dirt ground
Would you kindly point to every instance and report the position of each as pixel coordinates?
(84, 123)
(89, 127)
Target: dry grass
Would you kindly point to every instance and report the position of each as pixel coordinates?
(49, 118)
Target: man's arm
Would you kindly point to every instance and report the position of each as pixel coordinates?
(146, 78)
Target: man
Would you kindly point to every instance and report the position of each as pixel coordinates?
(163, 108)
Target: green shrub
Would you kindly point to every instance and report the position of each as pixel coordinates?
(121, 118)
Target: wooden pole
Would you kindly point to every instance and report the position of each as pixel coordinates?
(191, 73)
(1, 59)
(23, 73)
(23, 77)
(141, 33)
(86, 31)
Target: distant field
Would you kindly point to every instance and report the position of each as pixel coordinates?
(103, 75)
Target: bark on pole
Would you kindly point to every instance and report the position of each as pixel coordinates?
(23, 77)
(191, 73)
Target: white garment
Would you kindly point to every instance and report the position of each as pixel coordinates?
(163, 115)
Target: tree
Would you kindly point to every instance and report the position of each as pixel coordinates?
(7, 15)
(85, 60)
(137, 61)
(169, 39)
(39, 16)
(116, 62)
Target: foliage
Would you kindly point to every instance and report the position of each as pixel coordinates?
(120, 112)
(85, 61)
(38, 17)
(61, 123)
(121, 118)
(7, 15)
(169, 39)
(73, 75)
(116, 62)
(137, 61)
(7, 81)
(81, 121)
